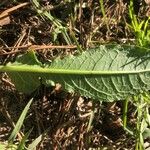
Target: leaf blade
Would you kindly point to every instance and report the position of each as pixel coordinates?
(109, 72)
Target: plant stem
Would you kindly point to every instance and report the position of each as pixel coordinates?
(126, 102)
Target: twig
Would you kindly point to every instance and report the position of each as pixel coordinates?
(36, 47)
(8, 82)
(6, 12)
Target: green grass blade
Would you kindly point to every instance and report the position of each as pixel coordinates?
(56, 22)
(33, 145)
(36, 3)
(22, 143)
(76, 42)
(19, 122)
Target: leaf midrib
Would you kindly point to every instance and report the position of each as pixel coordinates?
(38, 69)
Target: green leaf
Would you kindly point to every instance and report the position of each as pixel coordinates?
(107, 73)
(25, 81)
(33, 145)
(19, 123)
(146, 133)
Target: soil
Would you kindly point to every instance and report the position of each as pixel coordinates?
(64, 116)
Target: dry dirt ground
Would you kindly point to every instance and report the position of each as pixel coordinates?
(65, 116)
